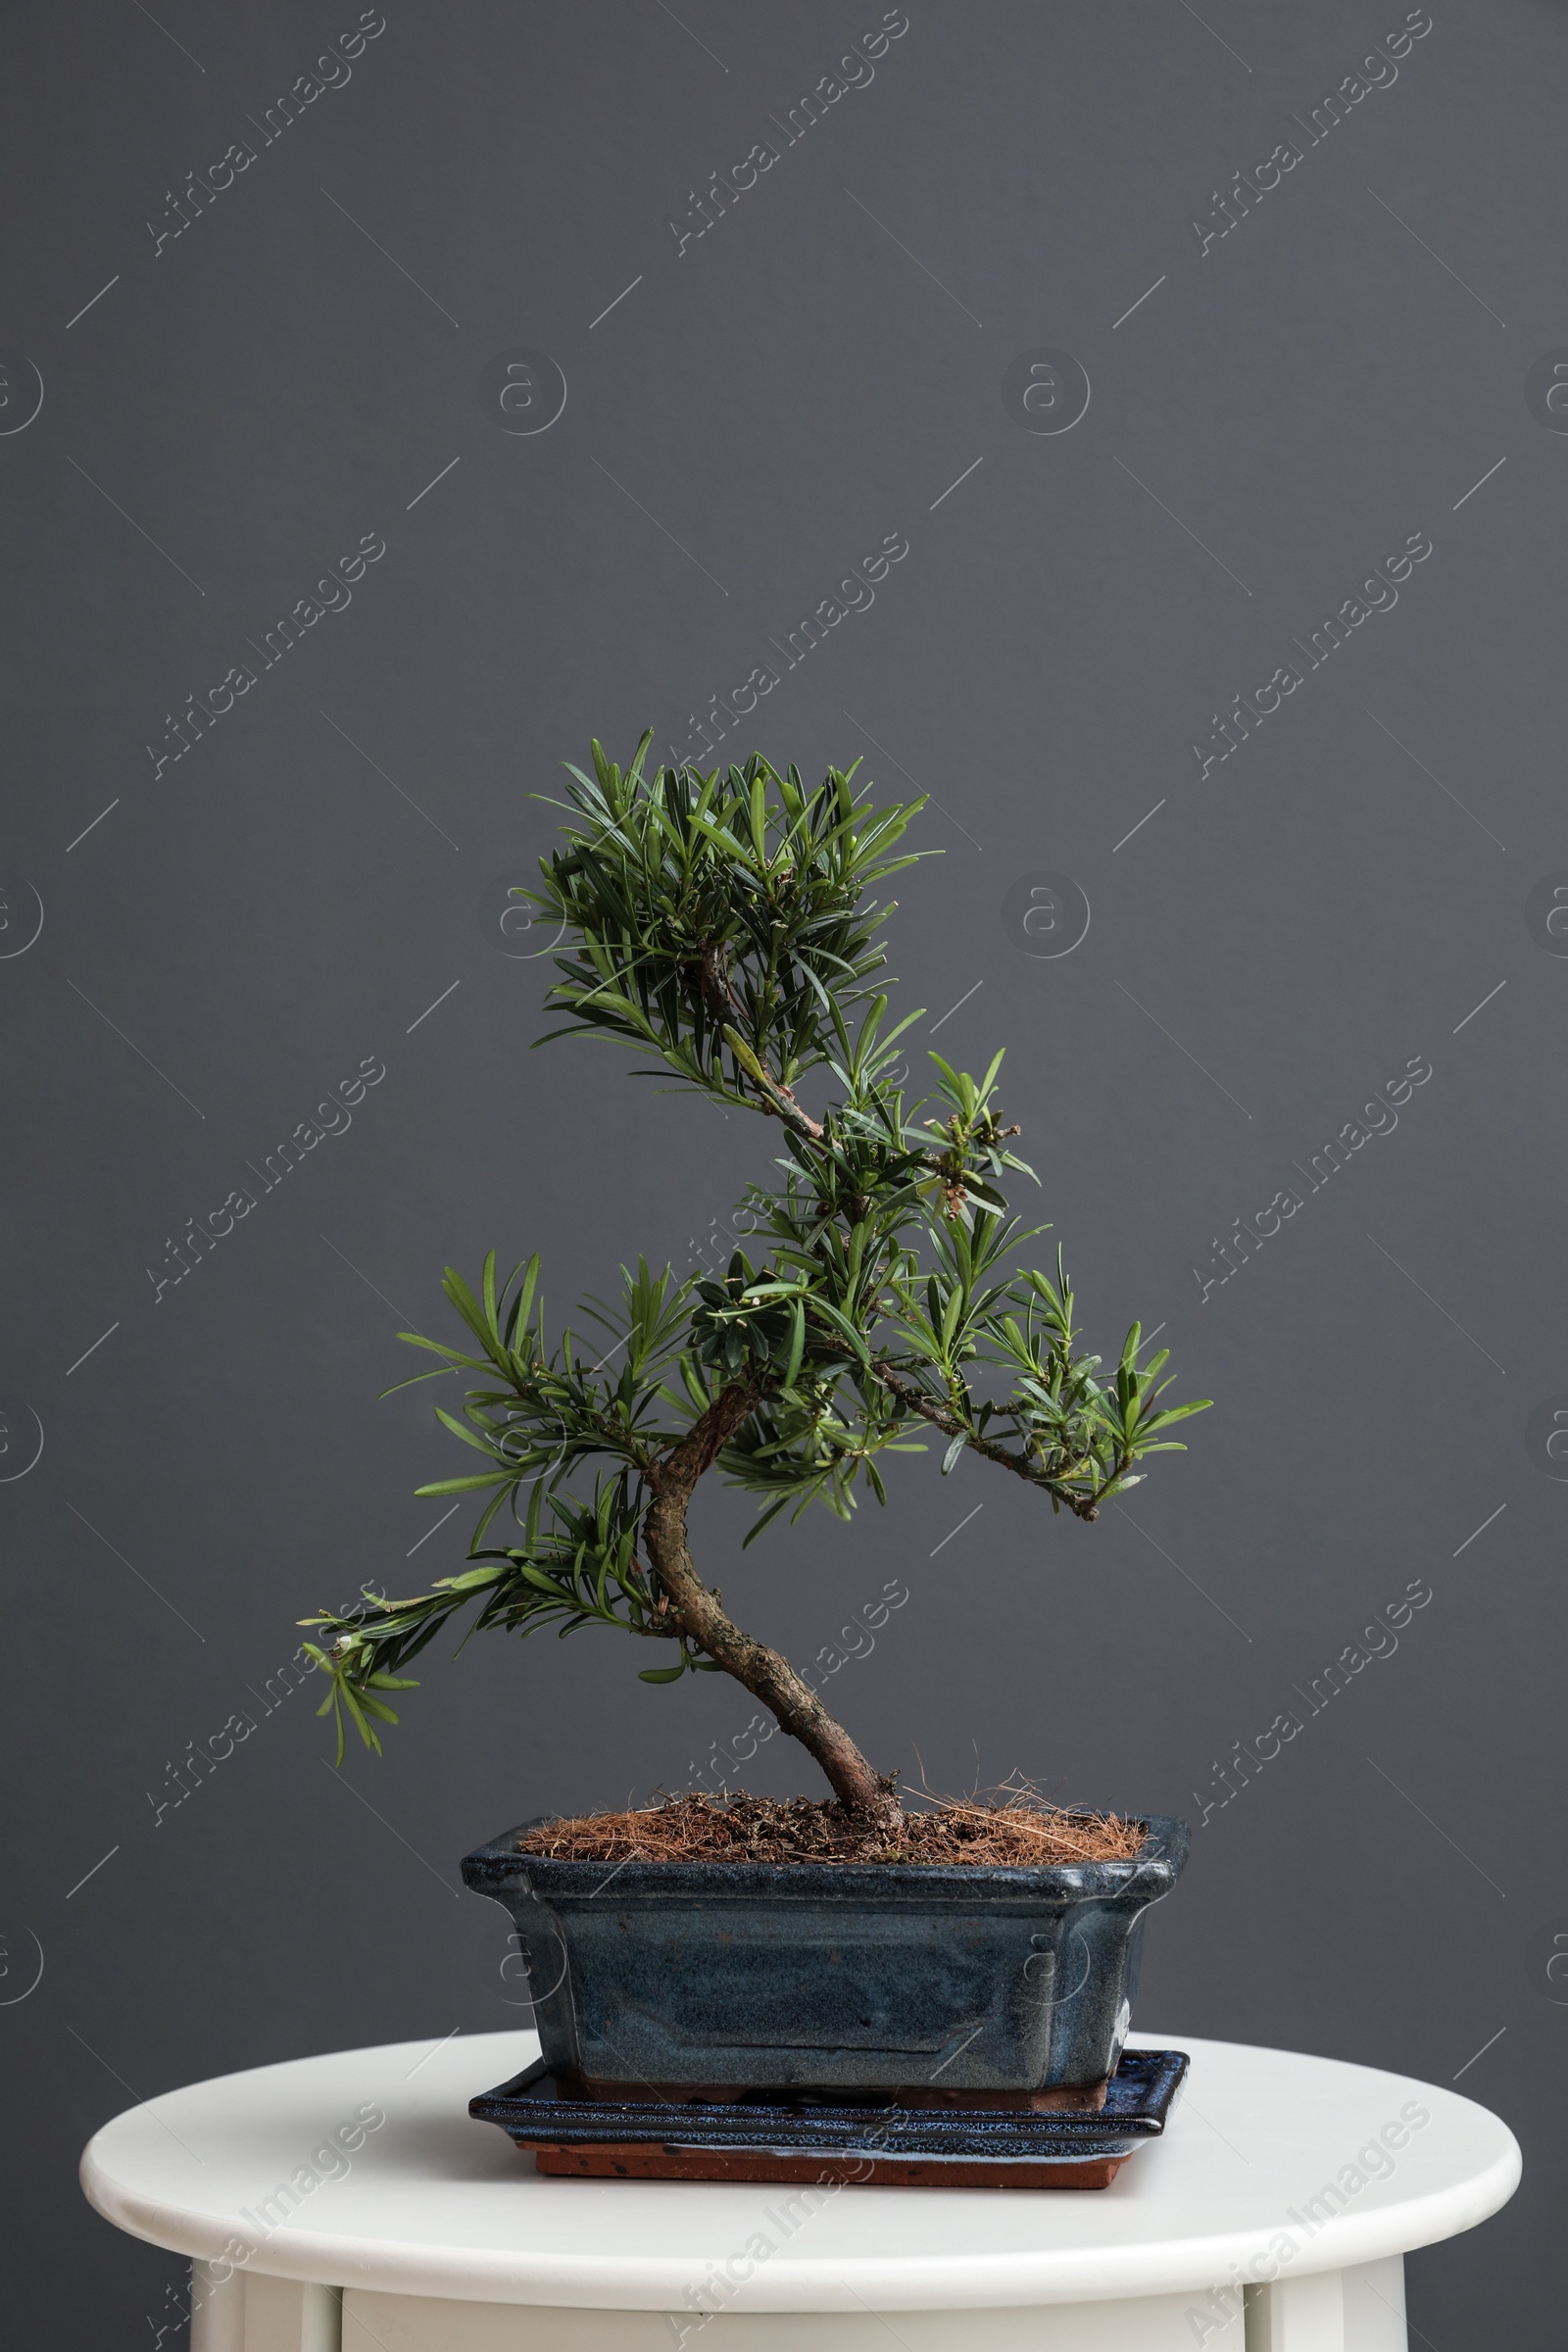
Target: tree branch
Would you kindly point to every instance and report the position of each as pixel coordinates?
(942, 1417)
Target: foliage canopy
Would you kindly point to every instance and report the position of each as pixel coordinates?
(727, 929)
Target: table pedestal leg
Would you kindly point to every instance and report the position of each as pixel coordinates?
(248, 2313)
(216, 2308)
(1359, 2310)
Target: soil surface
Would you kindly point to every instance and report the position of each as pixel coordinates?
(1015, 1829)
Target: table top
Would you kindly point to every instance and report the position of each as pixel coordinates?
(1271, 2158)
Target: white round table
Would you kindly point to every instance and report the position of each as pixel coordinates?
(349, 2202)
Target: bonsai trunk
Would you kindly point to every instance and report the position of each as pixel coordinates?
(865, 1795)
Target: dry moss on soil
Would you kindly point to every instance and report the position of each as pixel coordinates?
(1017, 1828)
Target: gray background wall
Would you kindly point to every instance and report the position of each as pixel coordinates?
(315, 883)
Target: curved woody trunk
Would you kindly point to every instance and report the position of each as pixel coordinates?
(866, 1796)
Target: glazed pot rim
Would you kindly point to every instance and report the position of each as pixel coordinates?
(1151, 1870)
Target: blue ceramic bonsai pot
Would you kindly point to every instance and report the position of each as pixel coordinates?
(941, 1981)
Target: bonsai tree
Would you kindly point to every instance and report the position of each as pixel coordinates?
(726, 929)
